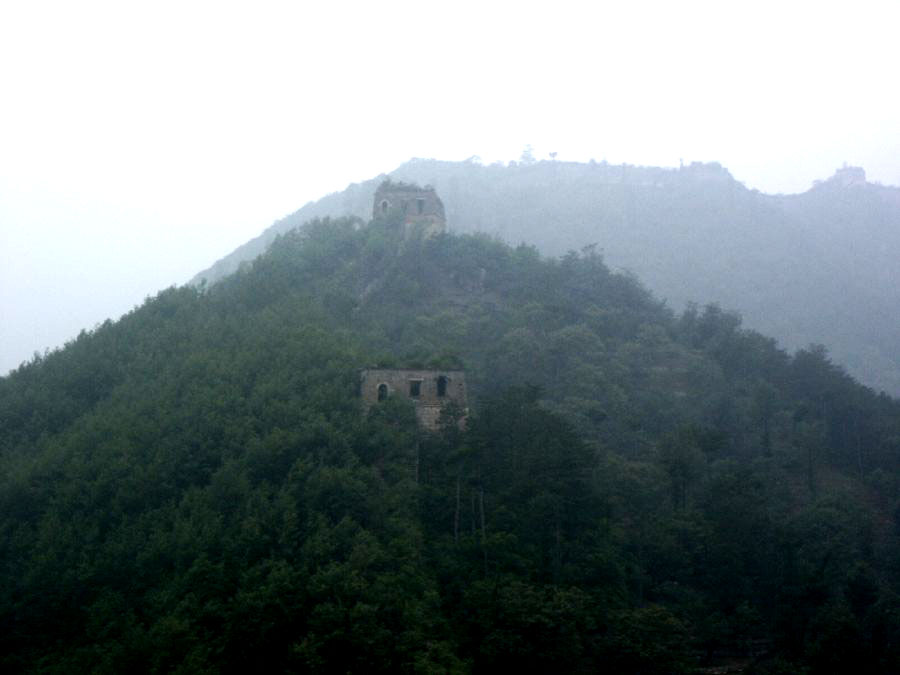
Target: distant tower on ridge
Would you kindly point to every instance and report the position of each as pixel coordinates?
(416, 205)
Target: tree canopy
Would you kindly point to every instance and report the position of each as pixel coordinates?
(195, 487)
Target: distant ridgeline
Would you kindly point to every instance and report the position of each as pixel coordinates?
(451, 177)
(817, 267)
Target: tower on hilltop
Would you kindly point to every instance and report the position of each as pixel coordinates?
(415, 205)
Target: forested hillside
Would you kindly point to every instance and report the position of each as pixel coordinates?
(194, 488)
(819, 267)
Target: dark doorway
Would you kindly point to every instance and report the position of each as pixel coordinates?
(442, 386)
(382, 392)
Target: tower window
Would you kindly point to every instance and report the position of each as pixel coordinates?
(382, 391)
(420, 205)
(384, 205)
(415, 388)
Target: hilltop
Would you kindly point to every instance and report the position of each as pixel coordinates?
(195, 487)
(817, 267)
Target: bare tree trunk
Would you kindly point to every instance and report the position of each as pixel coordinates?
(481, 508)
(456, 513)
(640, 556)
(810, 473)
(557, 554)
(859, 458)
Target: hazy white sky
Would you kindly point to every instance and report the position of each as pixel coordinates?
(139, 142)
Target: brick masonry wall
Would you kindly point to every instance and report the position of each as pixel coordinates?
(428, 403)
(405, 200)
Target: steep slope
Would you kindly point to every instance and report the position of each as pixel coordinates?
(812, 268)
(195, 487)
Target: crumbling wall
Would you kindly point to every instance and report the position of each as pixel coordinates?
(415, 205)
(429, 390)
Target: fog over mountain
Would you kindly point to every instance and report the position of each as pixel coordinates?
(608, 397)
(138, 144)
(815, 267)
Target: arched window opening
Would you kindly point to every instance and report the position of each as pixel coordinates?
(442, 386)
(384, 205)
(382, 391)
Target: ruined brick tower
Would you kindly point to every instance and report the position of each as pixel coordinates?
(415, 205)
(429, 390)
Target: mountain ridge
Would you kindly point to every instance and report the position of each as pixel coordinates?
(812, 267)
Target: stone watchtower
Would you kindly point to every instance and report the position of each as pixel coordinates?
(429, 390)
(415, 205)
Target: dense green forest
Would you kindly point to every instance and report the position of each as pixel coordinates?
(195, 488)
(816, 267)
